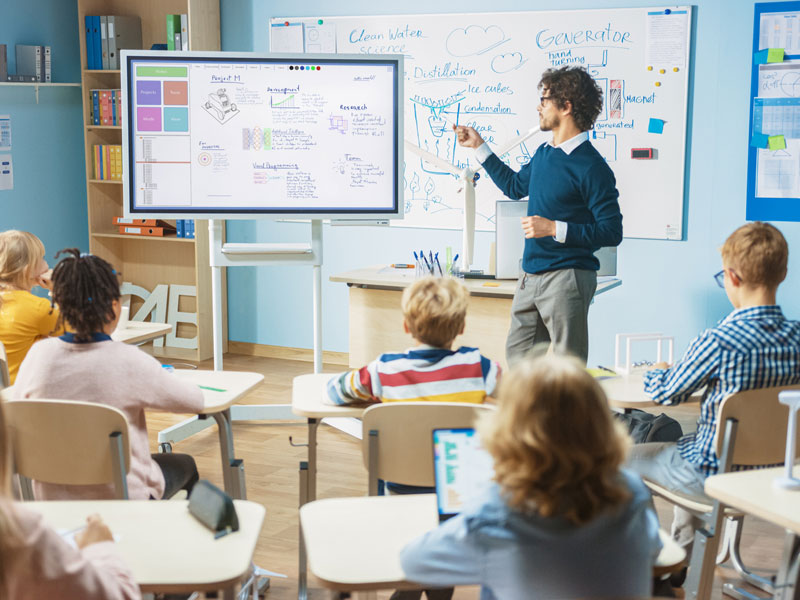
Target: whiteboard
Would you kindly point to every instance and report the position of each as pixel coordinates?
(483, 69)
(233, 135)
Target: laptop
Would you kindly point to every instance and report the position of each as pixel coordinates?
(462, 468)
(510, 242)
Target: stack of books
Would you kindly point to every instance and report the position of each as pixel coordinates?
(185, 228)
(106, 36)
(106, 107)
(33, 64)
(144, 227)
(177, 32)
(107, 160)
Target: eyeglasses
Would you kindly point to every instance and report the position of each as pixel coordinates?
(720, 277)
(543, 99)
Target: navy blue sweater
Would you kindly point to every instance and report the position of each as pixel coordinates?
(578, 189)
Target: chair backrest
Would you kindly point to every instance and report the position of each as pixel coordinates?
(69, 442)
(403, 440)
(761, 430)
(5, 378)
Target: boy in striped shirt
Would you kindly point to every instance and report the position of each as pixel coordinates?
(755, 346)
(434, 311)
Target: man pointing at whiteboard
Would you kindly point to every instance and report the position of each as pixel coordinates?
(573, 210)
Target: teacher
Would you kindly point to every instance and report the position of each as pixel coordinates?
(573, 210)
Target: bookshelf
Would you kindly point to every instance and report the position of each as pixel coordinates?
(149, 261)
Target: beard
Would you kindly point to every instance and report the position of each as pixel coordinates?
(546, 124)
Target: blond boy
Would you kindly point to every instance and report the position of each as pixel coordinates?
(434, 311)
(755, 346)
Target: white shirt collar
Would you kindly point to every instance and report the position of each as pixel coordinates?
(569, 145)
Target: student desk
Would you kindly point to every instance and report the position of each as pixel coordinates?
(227, 388)
(139, 332)
(753, 492)
(627, 391)
(167, 549)
(376, 321)
(354, 544)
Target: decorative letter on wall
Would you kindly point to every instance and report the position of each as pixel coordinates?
(174, 316)
(160, 311)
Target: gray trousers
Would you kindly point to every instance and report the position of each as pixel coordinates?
(551, 307)
(661, 463)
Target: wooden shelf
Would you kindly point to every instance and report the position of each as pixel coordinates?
(166, 238)
(147, 261)
(37, 84)
(40, 84)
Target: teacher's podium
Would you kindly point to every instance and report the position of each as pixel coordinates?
(376, 321)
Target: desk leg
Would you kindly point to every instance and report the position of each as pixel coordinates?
(302, 567)
(232, 468)
(313, 425)
(787, 585)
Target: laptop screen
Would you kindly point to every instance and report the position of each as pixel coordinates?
(461, 468)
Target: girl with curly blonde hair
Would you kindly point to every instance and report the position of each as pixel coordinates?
(561, 519)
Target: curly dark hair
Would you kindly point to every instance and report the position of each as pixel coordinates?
(574, 85)
(84, 288)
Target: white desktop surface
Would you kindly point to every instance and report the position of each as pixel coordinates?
(166, 547)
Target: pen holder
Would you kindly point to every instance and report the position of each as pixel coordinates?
(791, 399)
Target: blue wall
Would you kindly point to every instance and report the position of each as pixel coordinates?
(49, 195)
(667, 286)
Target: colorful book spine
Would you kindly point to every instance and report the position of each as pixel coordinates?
(95, 107)
(117, 150)
(173, 27)
(87, 23)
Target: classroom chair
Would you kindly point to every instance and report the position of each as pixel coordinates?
(68, 442)
(750, 433)
(397, 441)
(5, 378)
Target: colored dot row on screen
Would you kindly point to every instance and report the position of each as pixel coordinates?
(319, 21)
(304, 68)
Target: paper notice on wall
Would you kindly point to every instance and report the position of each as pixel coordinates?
(667, 38)
(321, 38)
(778, 172)
(780, 30)
(5, 132)
(6, 172)
(781, 80)
(286, 37)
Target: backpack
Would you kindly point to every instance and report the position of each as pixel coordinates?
(646, 427)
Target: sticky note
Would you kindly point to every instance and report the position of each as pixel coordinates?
(775, 55)
(491, 284)
(759, 140)
(655, 126)
(760, 58)
(776, 142)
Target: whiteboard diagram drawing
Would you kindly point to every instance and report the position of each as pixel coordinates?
(220, 106)
(482, 70)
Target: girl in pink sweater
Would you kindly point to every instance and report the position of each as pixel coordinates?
(87, 365)
(36, 562)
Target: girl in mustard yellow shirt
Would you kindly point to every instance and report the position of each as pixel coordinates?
(24, 318)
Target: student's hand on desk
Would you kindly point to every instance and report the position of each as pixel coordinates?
(537, 227)
(659, 365)
(467, 136)
(96, 531)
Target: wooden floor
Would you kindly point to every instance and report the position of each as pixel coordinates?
(271, 472)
